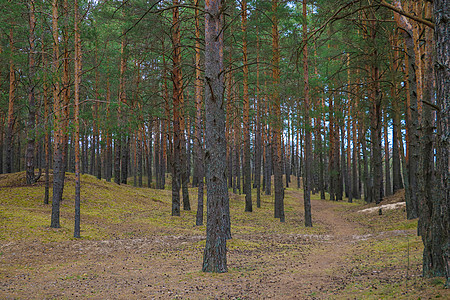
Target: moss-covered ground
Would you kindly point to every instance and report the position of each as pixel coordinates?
(131, 247)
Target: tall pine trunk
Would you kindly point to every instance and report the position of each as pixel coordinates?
(215, 254)
(177, 94)
(436, 234)
(198, 145)
(76, 233)
(30, 162)
(246, 112)
(58, 158)
(308, 140)
(12, 99)
(277, 123)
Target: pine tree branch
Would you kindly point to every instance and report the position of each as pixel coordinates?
(406, 14)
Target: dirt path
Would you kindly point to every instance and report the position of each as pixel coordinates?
(277, 266)
(325, 269)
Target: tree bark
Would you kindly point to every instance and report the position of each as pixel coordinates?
(246, 112)
(198, 145)
(387, 172)
(258, 141)
(375, 126)
(109, 150)
(215, 259)
(277, 123)
(177, 94)
(30, 163)
(58, 158)
(436, 234)
(76, 233)
(397, 182)
(12, 99)
(308, 140)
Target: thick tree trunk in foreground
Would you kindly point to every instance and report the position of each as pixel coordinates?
(436, 255)
(215, 254)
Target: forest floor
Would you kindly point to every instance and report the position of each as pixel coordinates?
(131, 248)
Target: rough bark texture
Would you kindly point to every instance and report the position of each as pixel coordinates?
(30, 163)
(58, 162)
(246, 113)
(109, 150)
(375, 126)
(308, 140)
(258, 141)
(215, 254)
(387, 172)
(47, 142)
(12, 96)
(177, 94)
(198, 145)
(277, 124)
(436, 233)
(76, 233)
(412, 118)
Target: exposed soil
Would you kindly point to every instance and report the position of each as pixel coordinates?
(278, 266)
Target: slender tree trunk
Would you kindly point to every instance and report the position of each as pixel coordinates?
(177, 94)
(349, 181)
(366, 179)
(237, 143)
(332, 156)
(185, 165)
(148, 150)
(246, 112)
(397, 182)
(388, 190)
(215, 259)
(97, 155)
(355, 155)
(125, 160)
(47, 142)
(109, 156)
(76, 233)
(198, 145)
(375, 126)
(321, 158)
(412, 119)
(258, 142)
(308, 140)
(30, 163)
(277, 123)
(139, 157)
(12, 97)
(58, 159)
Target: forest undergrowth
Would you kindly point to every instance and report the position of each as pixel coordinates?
(132, 248)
